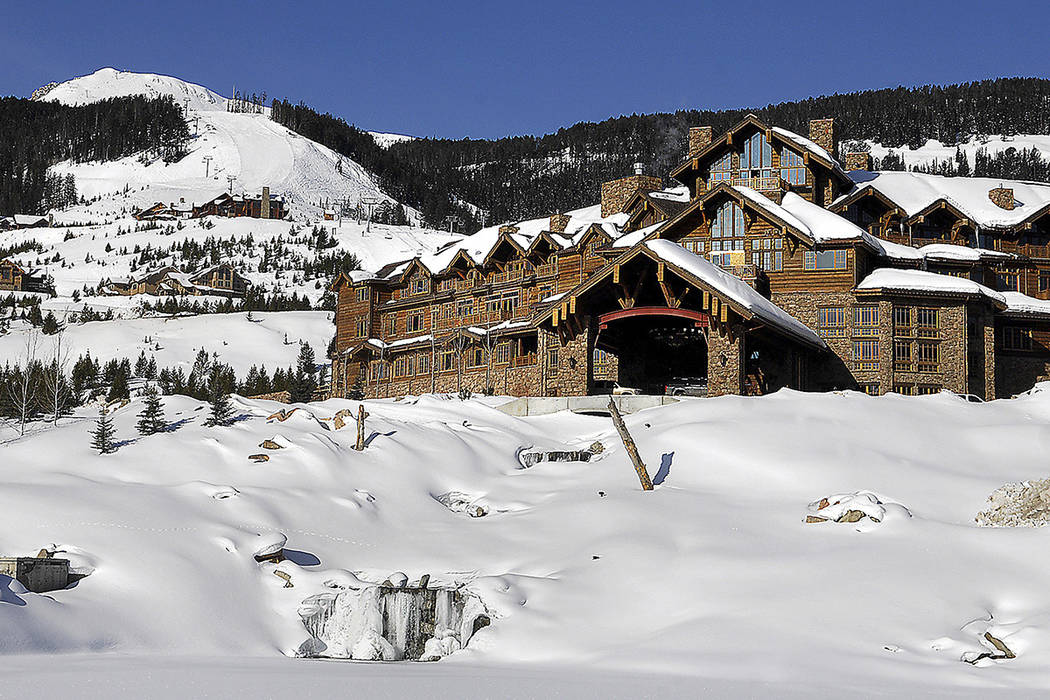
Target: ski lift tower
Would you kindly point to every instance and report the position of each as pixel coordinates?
(230, 179)
(452, 220)
(369, 201)
(207, 164)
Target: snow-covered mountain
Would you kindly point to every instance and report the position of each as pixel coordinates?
(249, 148)
(933, 150)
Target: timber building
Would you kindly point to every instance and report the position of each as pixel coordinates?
(771, 265)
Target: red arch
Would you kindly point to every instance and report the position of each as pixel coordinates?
(699, 320)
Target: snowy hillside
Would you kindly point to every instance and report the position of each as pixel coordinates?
(934, 150)
(712, 585)
(385, 140)
(84, 260)
(250, 148)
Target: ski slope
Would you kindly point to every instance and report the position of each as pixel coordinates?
(249, 148)
(934, 150)
(712, 585)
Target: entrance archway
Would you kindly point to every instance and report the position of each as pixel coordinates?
(659, 349)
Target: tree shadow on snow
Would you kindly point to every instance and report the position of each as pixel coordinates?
(665, 468)
(374, 435)
(301, 558)
(124, 443)
(175, 425)
(6, 594)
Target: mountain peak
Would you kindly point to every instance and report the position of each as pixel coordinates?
(109, 82)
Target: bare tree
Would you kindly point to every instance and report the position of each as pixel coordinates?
(23, 390)
(56, 389)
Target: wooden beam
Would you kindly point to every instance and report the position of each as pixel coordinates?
(572, 304)
(632, 449)
(724, 314)
(661, 267)
(616, 273)
(554, 318)
(707, 300)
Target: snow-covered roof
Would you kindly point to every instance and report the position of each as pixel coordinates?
(478, 246)
(914, 192)
(733, 288)
(927, 283)
(673, 194)
(1018, 304)
(816, 222)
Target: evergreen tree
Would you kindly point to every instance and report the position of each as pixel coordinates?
(118, 389)
(151, 419)
(102, 435)
(50, 324)
(304, 383)
(220, 409)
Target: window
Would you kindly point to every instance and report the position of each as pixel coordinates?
(756, 164)
(768, 254)
(423, 364)
(866, 320)
(1009, 280)
(476, 357)
(824, 260)
(927, 356)
(1017, 338)
(379, 370)
(503, 353)
(866, 354)
(601, 358)
(832, 321)
(728, 221)
(722, 169)
(552, 359)
(902, 359)
(465, 307)
(415, 322)
(926, 323)
(361, 328)
(792, 167)
(401, 366)
(391, 325)
(448, 310)
(1044, 281)
(448, 360)
(927, 389)
(904, 389)
(420, 285)
(902, 320)
(870, 388)
(362, 294)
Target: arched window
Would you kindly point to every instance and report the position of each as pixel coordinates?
(792, 167)
(756, 163)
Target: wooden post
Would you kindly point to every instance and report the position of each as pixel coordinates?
(361, 415)
(632, 449)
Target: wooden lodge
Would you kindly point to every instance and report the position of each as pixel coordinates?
(770, 266)
(21, 221)
(260, 206)
(219, 280)
(15, 278)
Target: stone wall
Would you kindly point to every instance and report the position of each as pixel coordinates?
(558, 223)
(616, 193)
(725, 363)
(1017, 373)
(571, 375)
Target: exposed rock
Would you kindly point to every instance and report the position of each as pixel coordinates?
(1022, 504)
(459, 502)
(860, 507)
(282, 415)
(338, 421)
(259, 458)
(270, 445)
(529, 459)
(286, 576)
(270, 547)
(597, 447)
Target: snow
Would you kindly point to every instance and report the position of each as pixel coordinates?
(914, 192)
(1023, 305)
(239, 342)
(946, 251)
(934, 150)
(807, 145)
(922, 281)
(734, 288)
(724, 589)
(251, 148)
(386, 140)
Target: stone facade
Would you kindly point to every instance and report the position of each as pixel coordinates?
(822, 133)
(617, 193)
(700, 137)
(558, 222)
(1002, 197)
(725, 363)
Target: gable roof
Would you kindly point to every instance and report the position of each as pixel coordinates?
(917, 193)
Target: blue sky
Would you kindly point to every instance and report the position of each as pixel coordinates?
(490, 69)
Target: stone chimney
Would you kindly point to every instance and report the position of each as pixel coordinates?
(616, 193)
(857, 161)
(558, 223)
(1002, 197)
(508, 229)
(699, 138)
(822, 133)
(265, 206)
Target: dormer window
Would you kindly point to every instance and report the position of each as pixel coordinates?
(792, 167)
